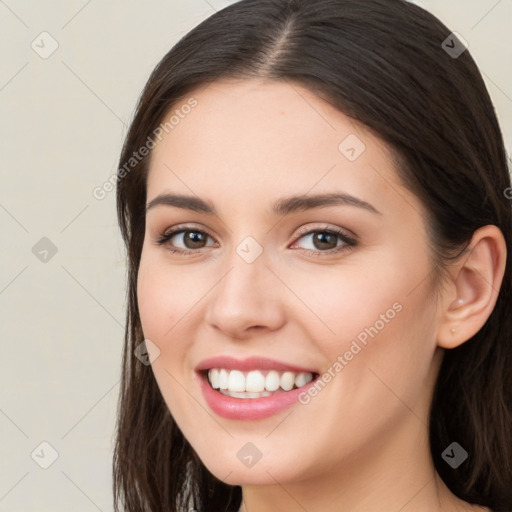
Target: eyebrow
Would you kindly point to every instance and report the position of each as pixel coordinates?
(282, 207)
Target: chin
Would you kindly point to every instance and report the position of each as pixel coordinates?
(260, 472)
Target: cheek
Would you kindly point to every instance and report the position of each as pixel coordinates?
(379, 357)
(152, 300)
(373, 319)
(165, 294)
(346, 301)
(165, 303)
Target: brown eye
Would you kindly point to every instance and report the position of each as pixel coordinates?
(326, 241)
(323, 240)
(194, 239)
(184, 240)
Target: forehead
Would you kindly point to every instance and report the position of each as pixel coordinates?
(250, 140)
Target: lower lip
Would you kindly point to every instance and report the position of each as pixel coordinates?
(249, 408)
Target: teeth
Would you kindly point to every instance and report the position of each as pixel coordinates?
(214, 378)
(236, 381)
(272, 381)
(223, 379)
(287, 380)
(302, 379)
(255, 383)
(247, 394)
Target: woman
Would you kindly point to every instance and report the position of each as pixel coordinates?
(313, 198)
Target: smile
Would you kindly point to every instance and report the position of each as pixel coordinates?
(253, 388)
(256, 383)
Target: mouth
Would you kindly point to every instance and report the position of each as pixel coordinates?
(255, 384)
(254, 388)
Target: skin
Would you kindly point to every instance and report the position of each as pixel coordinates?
(362, 443)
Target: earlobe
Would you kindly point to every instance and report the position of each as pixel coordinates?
(476, 280)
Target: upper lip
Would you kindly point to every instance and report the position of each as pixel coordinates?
(250, 363)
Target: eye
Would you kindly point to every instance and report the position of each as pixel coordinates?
(326, 240)
(323, 241)
(190, 237)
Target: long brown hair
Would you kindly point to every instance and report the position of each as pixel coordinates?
(382, 62)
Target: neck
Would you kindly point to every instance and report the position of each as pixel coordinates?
(395, 474)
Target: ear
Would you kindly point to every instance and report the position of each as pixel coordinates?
(473, 291)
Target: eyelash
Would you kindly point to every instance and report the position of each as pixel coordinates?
(348, 242)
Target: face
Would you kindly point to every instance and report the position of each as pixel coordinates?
(337, 291)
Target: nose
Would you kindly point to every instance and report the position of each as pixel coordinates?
(248, 299)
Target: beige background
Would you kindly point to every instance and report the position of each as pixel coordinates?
(62, 122)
